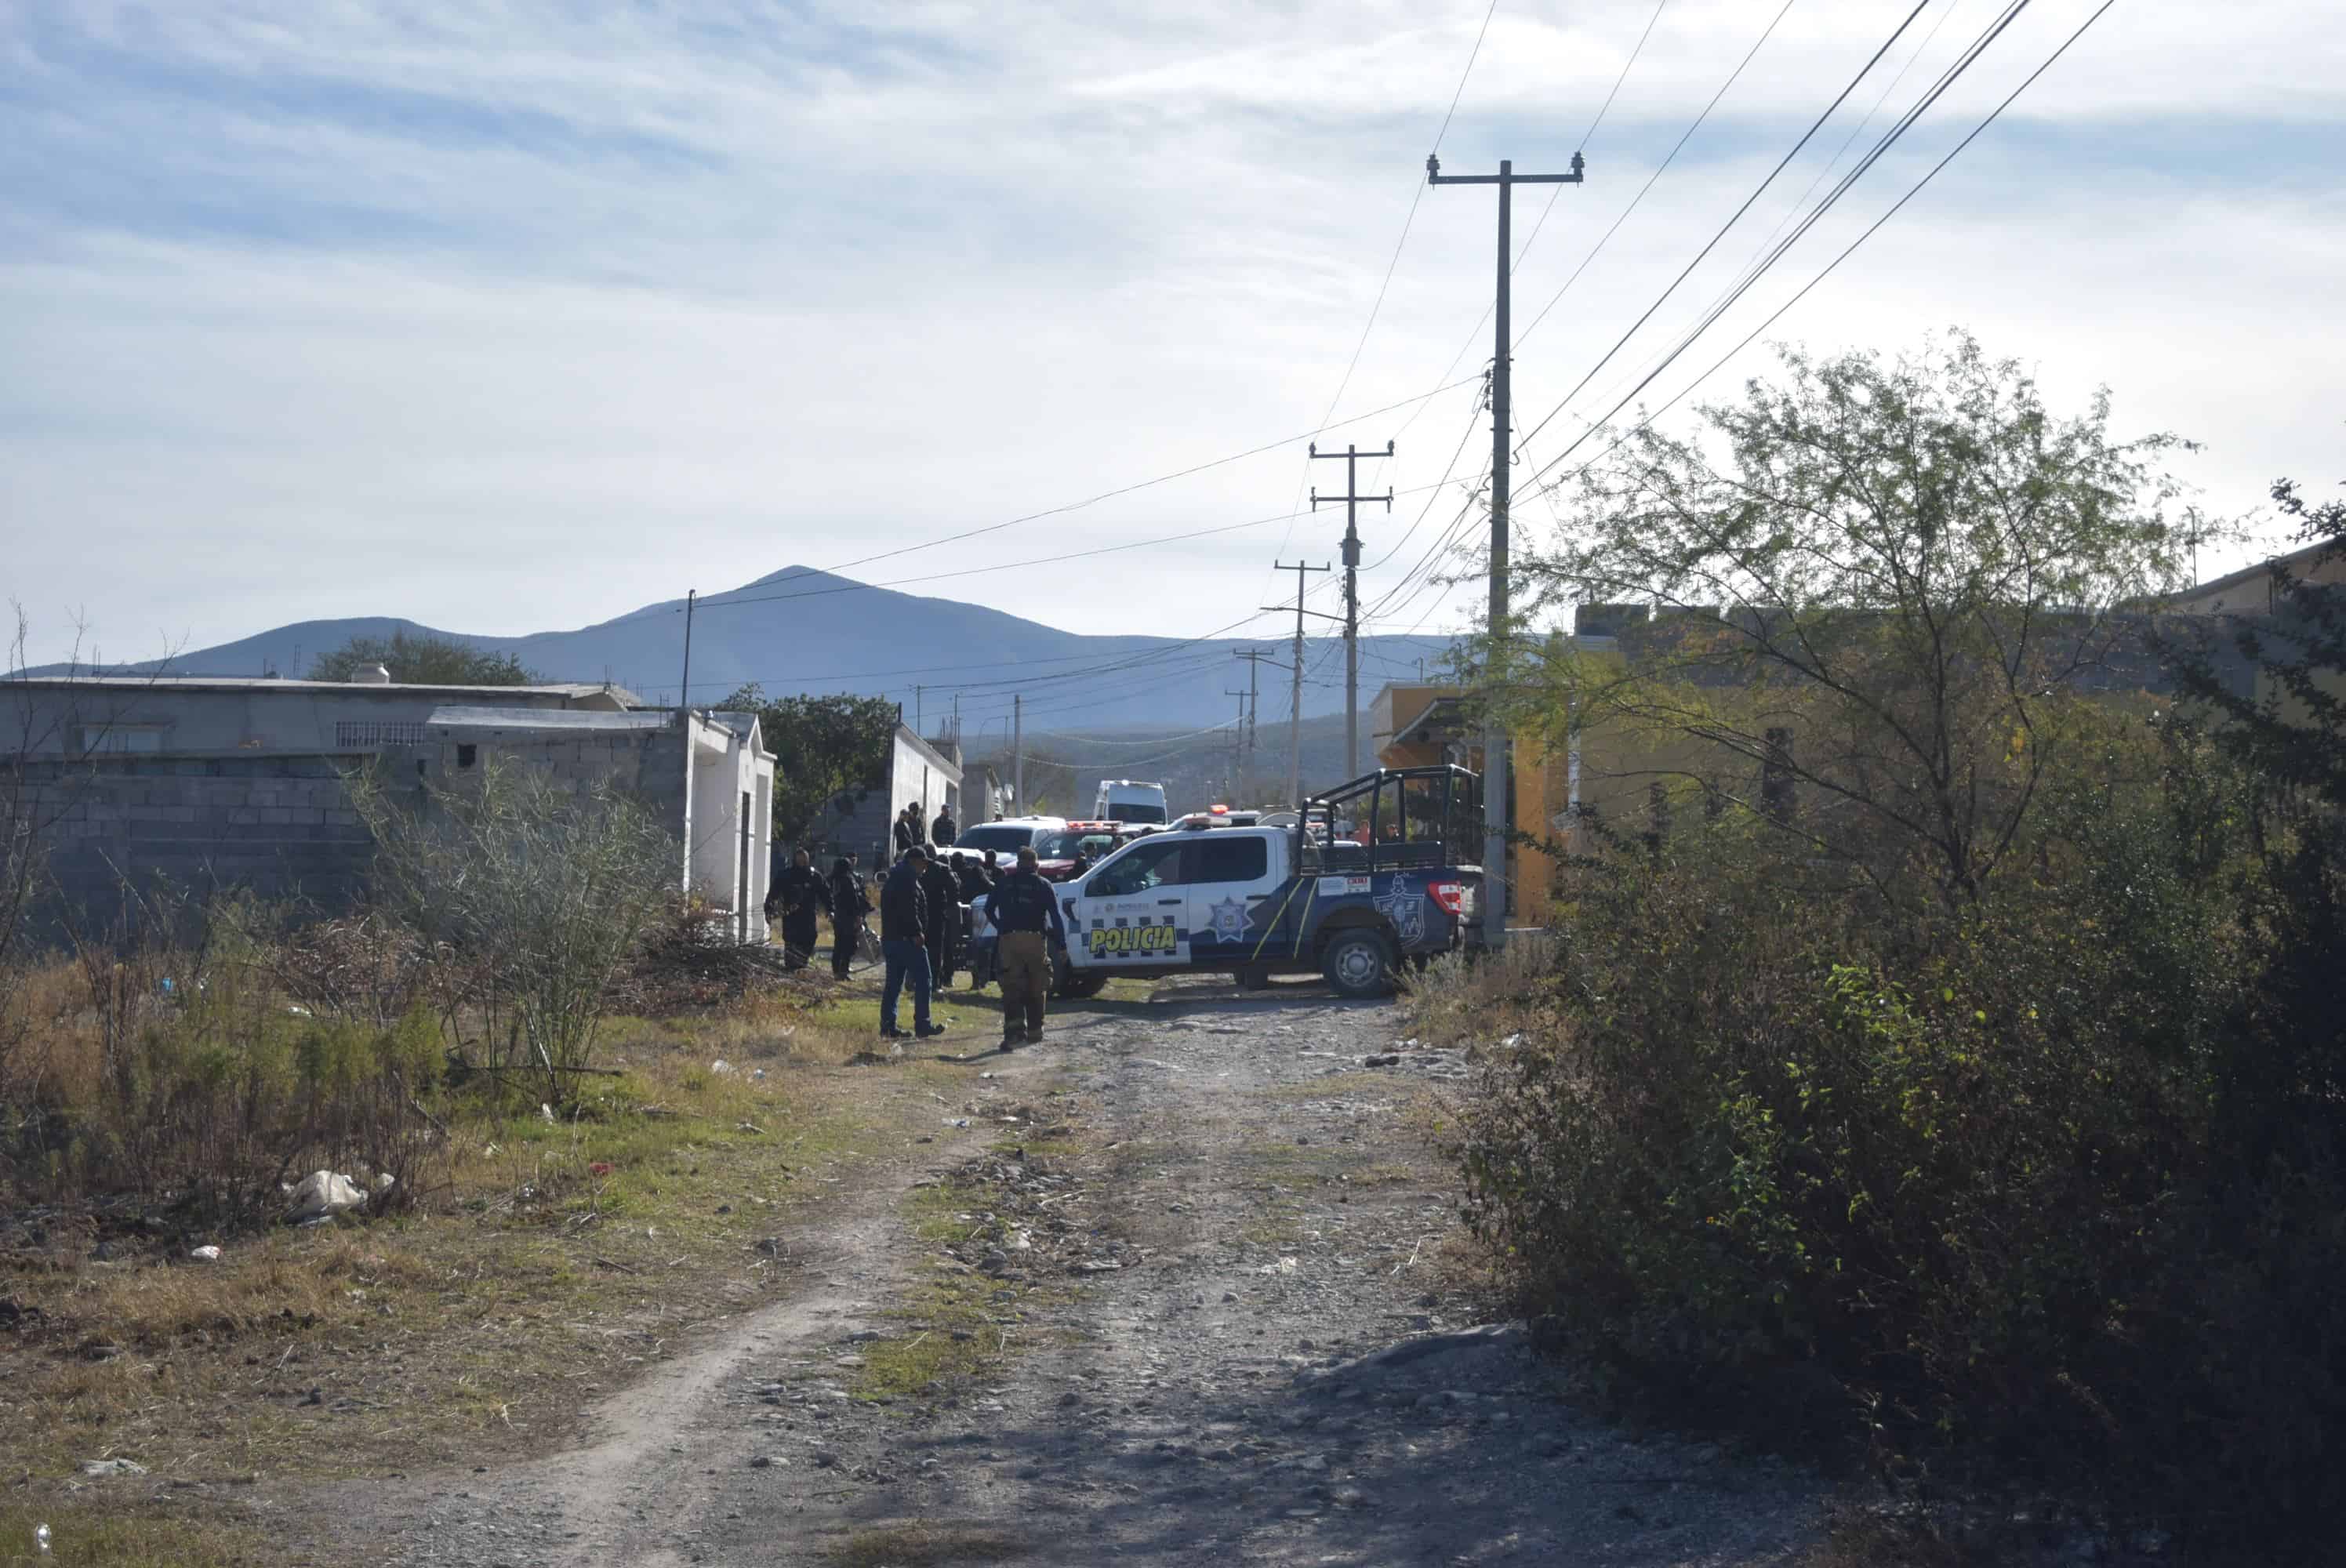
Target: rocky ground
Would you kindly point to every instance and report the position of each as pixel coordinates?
(1208, 1242)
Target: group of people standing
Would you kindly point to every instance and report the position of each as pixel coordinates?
(921, 900)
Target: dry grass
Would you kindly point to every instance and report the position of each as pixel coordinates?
(926, 1543)
(556, 1257)
(85, 1534)
(1462, 1000)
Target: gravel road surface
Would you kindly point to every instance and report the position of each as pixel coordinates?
(1227, 1342)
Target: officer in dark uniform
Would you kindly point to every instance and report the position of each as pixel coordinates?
(848, 908)
(803, 895)
(942, 890)
(1022, 909)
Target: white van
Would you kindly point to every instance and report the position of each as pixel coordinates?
(1130, 802)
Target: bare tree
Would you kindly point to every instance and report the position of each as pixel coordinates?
(547, 889)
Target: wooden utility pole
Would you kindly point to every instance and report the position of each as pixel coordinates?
(1018, 753)
(1351, 498)
(1295, 719)
(1495, 775)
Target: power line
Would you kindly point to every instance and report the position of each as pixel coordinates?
(1678, 147)
(1553, 197)
(1417, 194)
(1916, 190)
(1734, 217)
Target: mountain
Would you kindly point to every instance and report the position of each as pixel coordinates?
(801, 630)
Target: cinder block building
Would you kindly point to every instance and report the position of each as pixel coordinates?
(204, 784)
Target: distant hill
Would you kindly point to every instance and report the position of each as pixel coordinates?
(801, 630)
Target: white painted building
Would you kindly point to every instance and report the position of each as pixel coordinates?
(715, 792)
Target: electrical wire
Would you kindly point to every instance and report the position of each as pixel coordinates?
(1417, 194)
(1913, 191)
(1733, 218)
(1554, 194)
(1888, 139)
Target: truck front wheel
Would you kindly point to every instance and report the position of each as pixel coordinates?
(1359, 963)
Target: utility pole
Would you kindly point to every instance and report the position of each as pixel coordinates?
(1351, 498)
(916, 712)
(1238, 747)
(1018, 751)
(684, 692)
(1255, 658)
(1295, 719)
(1495, 773)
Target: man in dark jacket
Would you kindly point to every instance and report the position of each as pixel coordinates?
(974, 883)
(942, 891)
(944, 830)
(1024, 906)
(908, 827)
(903, 944)
(848, 907)
(803, 895)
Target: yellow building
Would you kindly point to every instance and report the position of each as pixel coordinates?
(1415, 725)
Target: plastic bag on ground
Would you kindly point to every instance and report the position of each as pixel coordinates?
(322, 1195)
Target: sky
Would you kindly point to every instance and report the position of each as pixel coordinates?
(505, 316)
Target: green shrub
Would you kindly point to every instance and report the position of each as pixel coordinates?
(2055, 1179)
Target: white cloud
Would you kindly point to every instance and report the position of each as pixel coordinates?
(505, 316)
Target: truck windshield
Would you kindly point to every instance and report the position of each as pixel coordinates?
(1011, 839)
(1136, 811)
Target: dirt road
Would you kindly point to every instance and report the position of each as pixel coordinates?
(1206, 1236)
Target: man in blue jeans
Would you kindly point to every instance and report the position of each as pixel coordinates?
(903, 945)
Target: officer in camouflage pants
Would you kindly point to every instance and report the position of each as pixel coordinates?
(1023, 909)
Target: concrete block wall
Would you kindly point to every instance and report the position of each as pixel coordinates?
(278, 825)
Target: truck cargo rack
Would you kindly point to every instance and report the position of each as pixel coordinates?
(1411, 816)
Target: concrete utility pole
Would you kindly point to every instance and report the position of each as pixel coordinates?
(1256, 658)
(1018, 752)
(1238, 748)
(1295, 721)
(1351, 498)
(684, 692)
(1495, 774)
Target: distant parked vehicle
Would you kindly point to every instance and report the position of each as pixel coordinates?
(1129, 800)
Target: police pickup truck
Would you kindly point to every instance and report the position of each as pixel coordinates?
(1255, 901)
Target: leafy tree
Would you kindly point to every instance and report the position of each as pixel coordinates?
(422, 660)
(1874, 583)
(829, 752)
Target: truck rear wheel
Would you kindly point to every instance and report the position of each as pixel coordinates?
(1359, 963)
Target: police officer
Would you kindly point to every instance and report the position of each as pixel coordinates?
(848, 907)
(904, 944)
(1025, 907)
(942, 890)
(803, 895)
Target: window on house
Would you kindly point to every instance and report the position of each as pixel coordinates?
(373, 734)
(465, 753)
